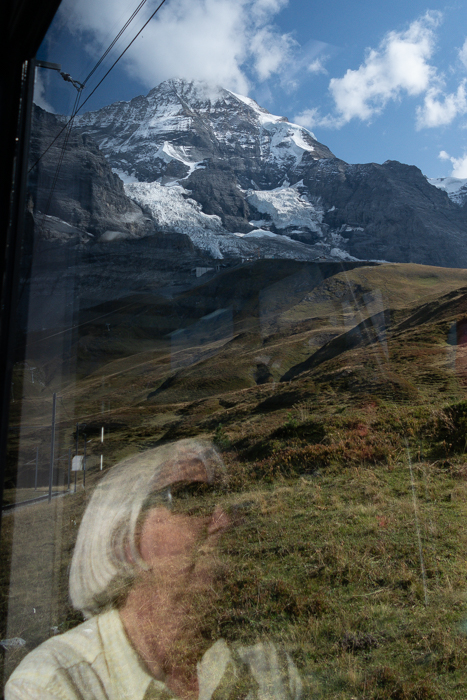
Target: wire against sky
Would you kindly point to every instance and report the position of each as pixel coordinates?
(112, 44)
(78, 109)
(122, 54)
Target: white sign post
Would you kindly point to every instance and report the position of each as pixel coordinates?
(77, 463)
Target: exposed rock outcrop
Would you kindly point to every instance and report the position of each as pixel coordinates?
(86, 193)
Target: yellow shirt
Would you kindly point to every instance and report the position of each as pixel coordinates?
(95, 661)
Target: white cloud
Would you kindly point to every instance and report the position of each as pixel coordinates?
(39, 92)
(263, 9)
(463, 53)
(212, 40)
(400, 64)
(271, 51)
(317, 66)
(311, 118)
(460, 164)
(439, 109)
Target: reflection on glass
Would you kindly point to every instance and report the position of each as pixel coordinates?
(204, 283)
(145, 574)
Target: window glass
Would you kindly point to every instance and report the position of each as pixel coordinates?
(237, 433)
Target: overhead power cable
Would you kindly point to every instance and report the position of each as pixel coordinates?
(110, 47)
(122, 54)
(70, 121)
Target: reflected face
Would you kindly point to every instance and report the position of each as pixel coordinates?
(174, 540)
(169, 612)
(180, 547)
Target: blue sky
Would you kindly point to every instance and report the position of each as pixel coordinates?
(373, 80)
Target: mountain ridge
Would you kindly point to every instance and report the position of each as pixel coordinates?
(239, 183)
(225, 152)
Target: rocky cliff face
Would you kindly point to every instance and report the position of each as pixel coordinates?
(87, 194)
(390, 212)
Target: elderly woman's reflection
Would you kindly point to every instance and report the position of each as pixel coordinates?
(145, 572)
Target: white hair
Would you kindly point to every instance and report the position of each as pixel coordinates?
(106, 556)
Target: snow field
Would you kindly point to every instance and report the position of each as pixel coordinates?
(286, 207)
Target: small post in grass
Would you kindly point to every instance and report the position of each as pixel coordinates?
(84, 463)
(69, 468)
(417, 528)
(77, 465)
(37, 468)
(52, 447)
(77, 448)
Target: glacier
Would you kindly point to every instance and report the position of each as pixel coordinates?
(287, 208)
(173, 210)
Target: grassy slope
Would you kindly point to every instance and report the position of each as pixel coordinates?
(352, 474)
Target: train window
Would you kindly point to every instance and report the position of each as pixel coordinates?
(237, 431)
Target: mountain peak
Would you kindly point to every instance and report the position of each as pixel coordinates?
(198, 90)
(181, 123)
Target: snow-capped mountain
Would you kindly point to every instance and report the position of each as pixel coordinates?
(180, 126)
(238, 182)
(216, 166)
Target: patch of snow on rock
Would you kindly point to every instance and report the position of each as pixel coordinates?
(342, 254)
(261, 233)
(124, 176)
(261, 223)
(455, 187)
(263, 115)
(287, 207)
(110, 236)
(287, 142)
(168, 152)
(282, 140)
